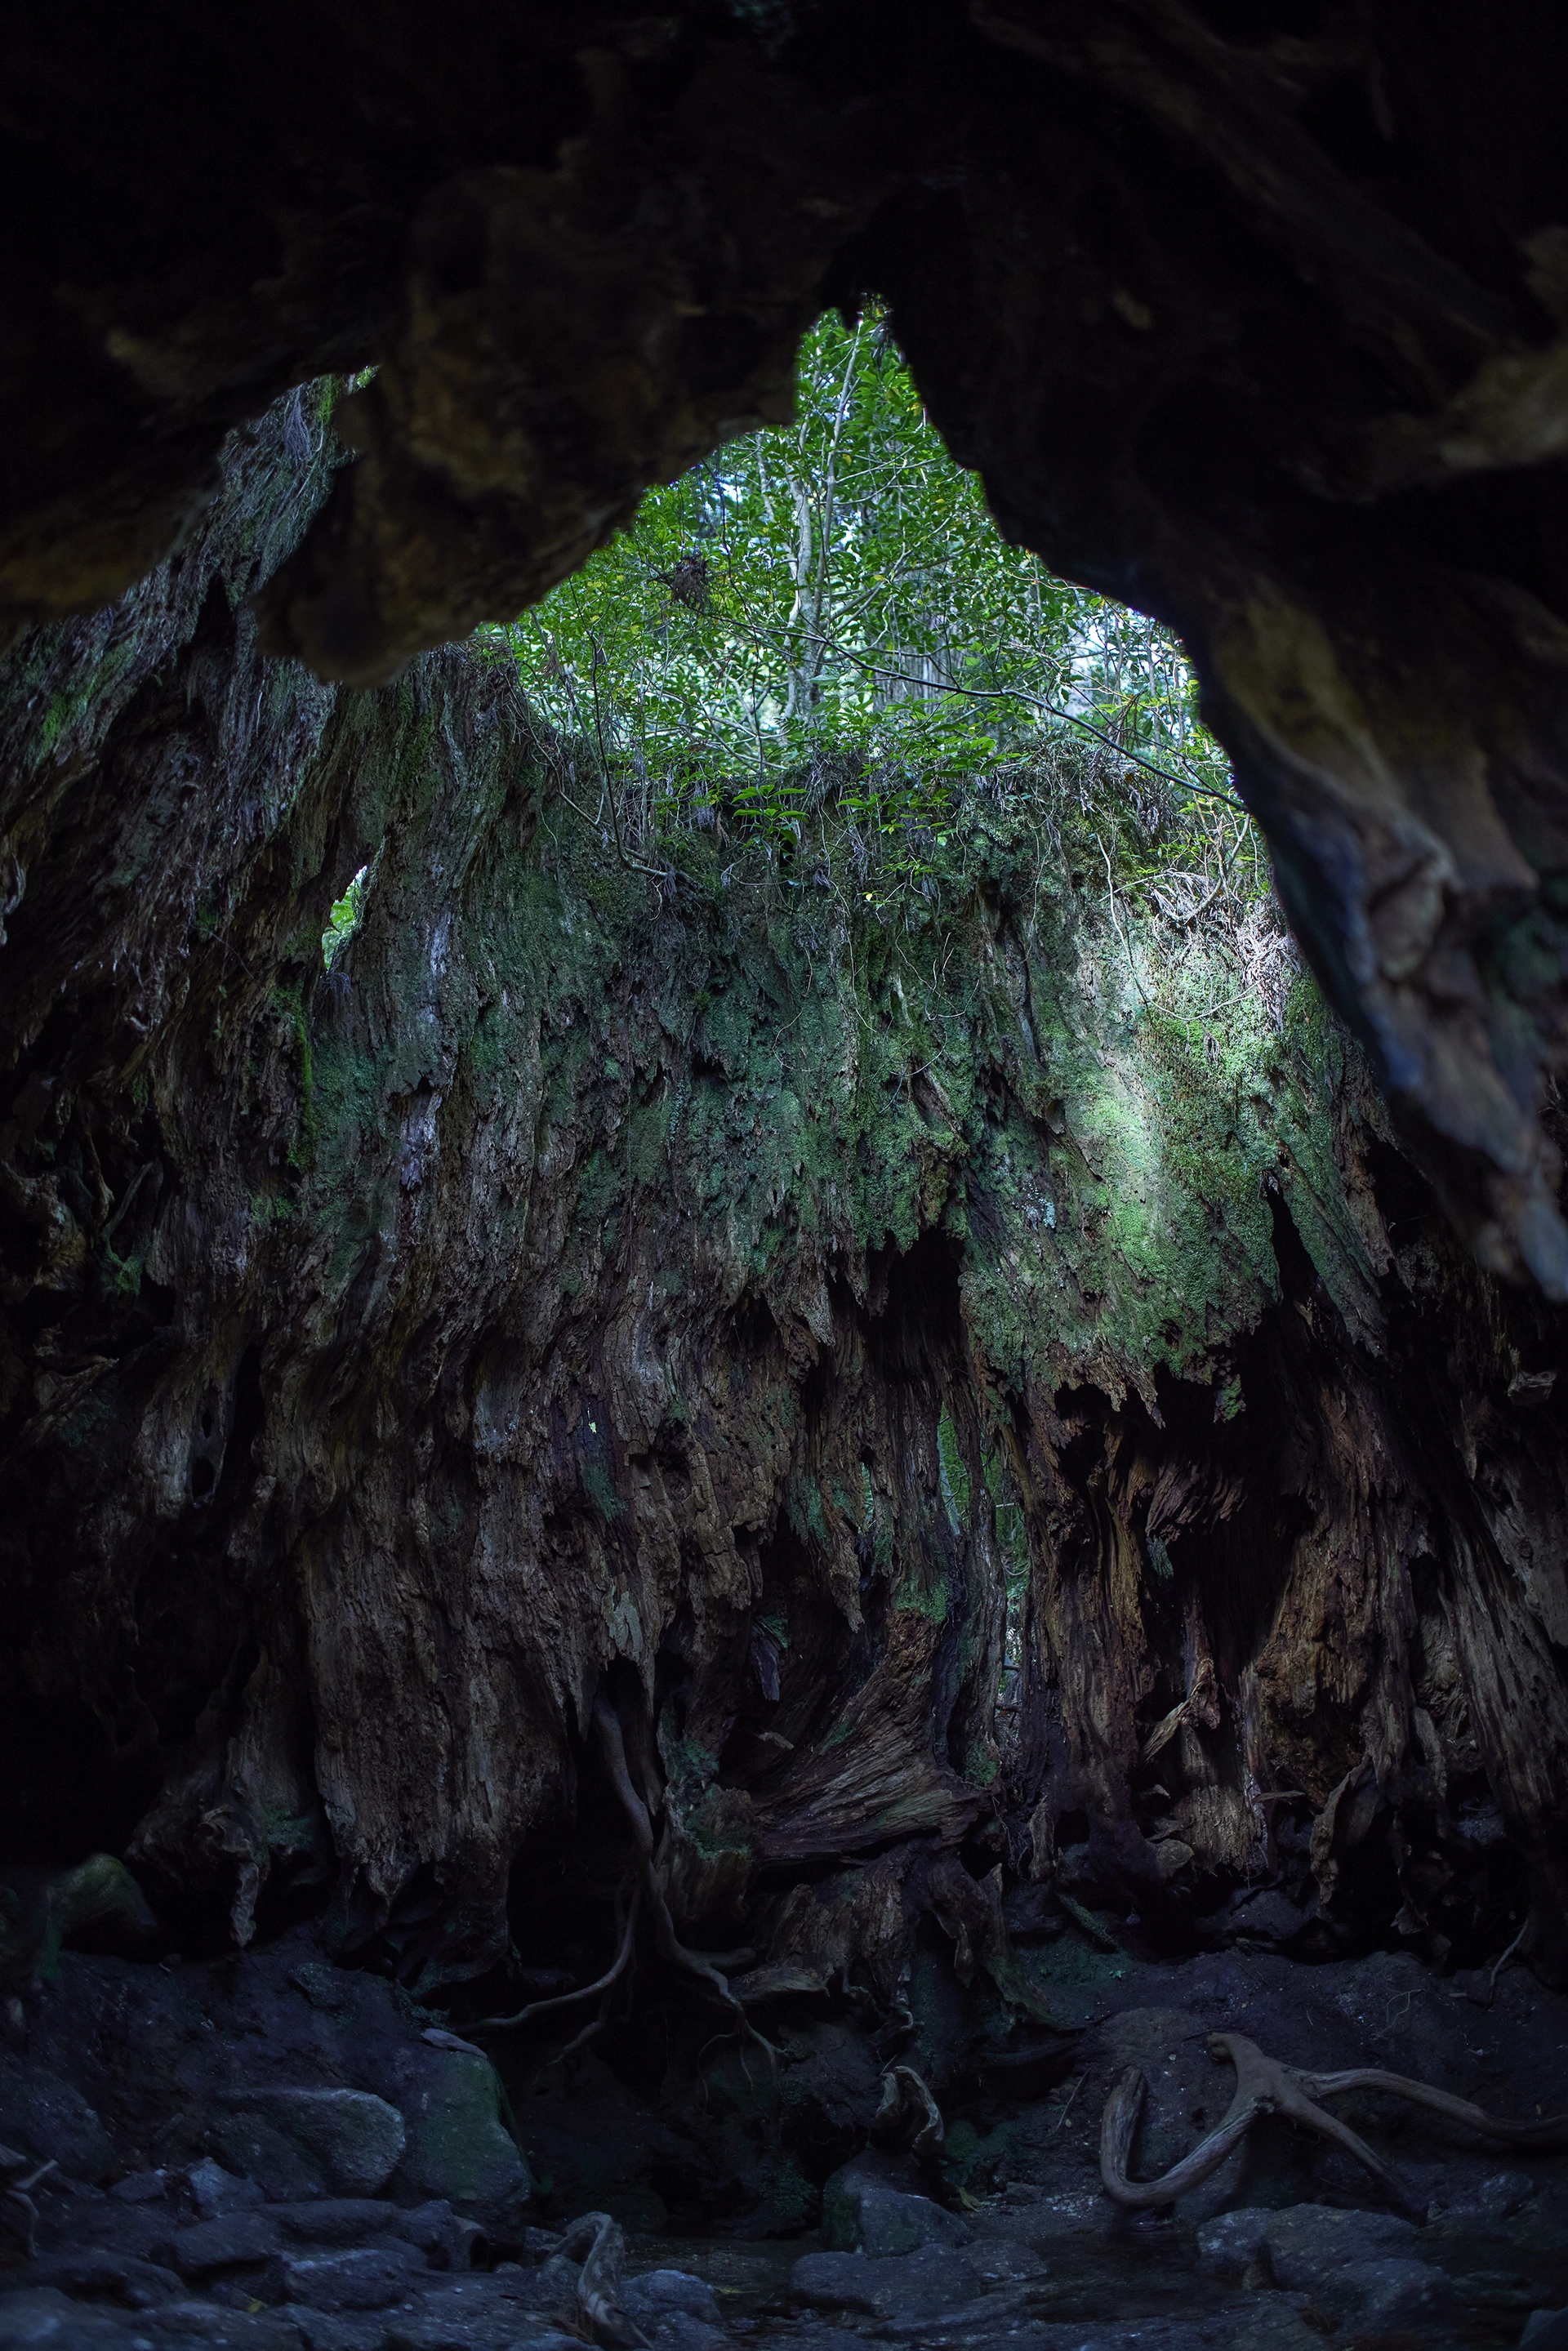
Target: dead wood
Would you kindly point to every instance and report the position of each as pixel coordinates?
(908, 2114)
(1264, 2086)
(598, 2244)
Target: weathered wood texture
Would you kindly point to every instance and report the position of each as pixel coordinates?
(579, 1296)
(1254, 318)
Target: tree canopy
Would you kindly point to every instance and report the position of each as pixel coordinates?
(832, 598)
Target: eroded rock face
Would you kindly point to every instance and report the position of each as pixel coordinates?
(1256, 324)
(594, 1332)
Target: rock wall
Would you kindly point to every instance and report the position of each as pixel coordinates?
(713, 1372)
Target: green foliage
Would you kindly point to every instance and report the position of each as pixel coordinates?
(826, 612)
(345, 918)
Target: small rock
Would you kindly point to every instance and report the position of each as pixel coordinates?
(1497, 2198)
(907, 2288)
(657, 2291)
(1308, 2243)
(141, 2187)
(217, 2191)
(354, 2137)
(248, 2143)
(45, 2320)
(1234, 2243)
(862, 2211)
(1391, 2295)
(367, 2279)
(336, 2220)
(1545, 2330)
(210, 2246)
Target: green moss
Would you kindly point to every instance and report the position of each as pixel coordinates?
(926, 1594)
(803, 1509)
(286, 1001)
(953, 1472)
(600, 1489)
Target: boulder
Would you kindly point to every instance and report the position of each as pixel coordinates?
(1393, 2296)
(657, 2291)
(214, 2191)
(248, 2143)
(1359, 2267)
(353, 2139)
(367, 2278)
(1234, 2243)
(467, 2315)
(337, 2219)
(229, 2243)
(457, 2145)
(143, 2187)
(905, 2289)
(106, 2273)
(1545, 2330)
(45, 2115)
(1308, 2245)
(865, 2212)
(44, 2319)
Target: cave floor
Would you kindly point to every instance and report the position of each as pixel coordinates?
(274, 2152)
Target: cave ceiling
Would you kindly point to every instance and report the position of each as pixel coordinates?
(1251, 317)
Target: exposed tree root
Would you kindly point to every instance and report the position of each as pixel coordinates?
(1266, 2086)
(612, 1745)
(17, 2210)
(616, 1969)
(643, 1886)
(600, 2244)
(909, 2112)
(1503, 1957)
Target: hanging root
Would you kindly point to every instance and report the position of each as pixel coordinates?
(616, 1969)
(1549, 2130)
(643, 1882)
(1265, 2087)
(1503, 1958)
(612, 1745)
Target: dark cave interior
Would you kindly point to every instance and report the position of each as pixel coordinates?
(881, 1682)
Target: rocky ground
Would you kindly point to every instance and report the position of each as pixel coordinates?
(270, 2151)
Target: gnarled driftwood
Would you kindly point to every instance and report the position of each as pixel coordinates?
(1264, 2086)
